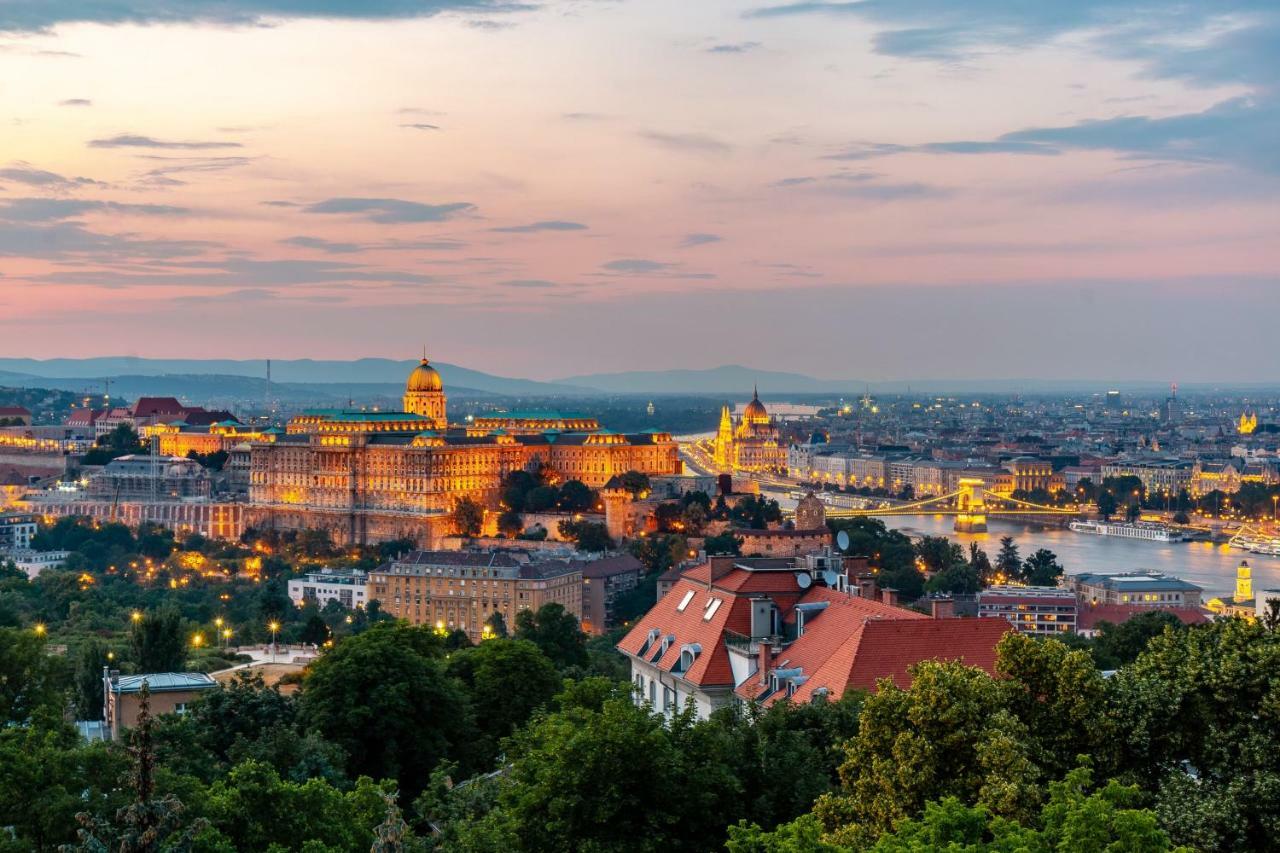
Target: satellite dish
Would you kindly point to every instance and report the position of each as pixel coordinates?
(803, 580)
(842, 540)
(829, 578)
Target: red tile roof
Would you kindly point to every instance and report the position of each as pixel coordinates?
(149, 406)
(1089, 616)
(14, 411)
(843, 644)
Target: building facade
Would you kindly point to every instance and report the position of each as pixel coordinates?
(348, 588)
(375, 476)
(170, 693)
(1149, 589)
(1042, 611)
(603, 583)
(452, 590)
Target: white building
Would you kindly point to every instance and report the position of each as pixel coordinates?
(348, 588)
(35, 562)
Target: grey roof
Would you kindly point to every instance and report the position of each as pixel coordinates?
(1135, 581)
(164, 682)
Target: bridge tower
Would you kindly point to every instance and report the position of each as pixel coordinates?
(972, 503)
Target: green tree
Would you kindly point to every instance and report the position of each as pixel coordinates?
(507, 681)
(576, 496)
(88, 684)
(384, 697)
(468, 517)
(541, 498)
(31, 682)
(555, 631)
(497, 624)
(1008, 560)
(157, 641)
(1118, 645)
(938, 553)
(635, 482)
(589, 536)
(510, 523)
(981, 564)
(723, 543)
(1107, 505)
(1042, 569)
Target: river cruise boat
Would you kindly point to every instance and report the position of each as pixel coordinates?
(1150, 531)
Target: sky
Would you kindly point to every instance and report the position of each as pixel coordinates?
(877, 189)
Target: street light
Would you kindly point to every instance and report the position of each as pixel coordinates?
(197, 640)
(136, 616)
(40, 629)
(274, 627)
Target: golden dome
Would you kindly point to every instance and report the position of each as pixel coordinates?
(755, 411)
(424, 378)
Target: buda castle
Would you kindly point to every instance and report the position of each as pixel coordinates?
(376, 476)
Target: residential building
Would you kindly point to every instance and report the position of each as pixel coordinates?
(169, 693)
(463, 589)
(348, 588)
(603, 582)
(17, 529)
(1144, 589)
(1042, 611)
(739, 629)
(1090, 618)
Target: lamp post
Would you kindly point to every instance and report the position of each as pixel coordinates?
(218, 623)
(274, 628)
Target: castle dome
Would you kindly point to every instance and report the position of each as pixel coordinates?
(424, 378)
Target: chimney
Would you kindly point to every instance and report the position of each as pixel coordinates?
(889, 597)
(867, 588)
(720, 566)
(942, 608)
(766, 650)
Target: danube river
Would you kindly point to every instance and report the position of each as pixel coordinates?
(1210, 566)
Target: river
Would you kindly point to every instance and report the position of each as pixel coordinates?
(1210, 566)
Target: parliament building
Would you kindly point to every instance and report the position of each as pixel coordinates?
(376, 476)
(754, 443)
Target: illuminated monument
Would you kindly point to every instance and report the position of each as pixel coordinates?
(753, 444)
(376, 476)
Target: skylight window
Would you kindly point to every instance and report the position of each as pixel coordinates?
(712, 606)
(684, 602)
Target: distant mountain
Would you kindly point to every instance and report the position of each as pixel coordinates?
(89, 372)
(733, 379)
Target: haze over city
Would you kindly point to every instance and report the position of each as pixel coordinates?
(863, 190)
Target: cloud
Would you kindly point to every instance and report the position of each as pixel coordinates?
(25, 173)
(584, 116)
(323, 245)
(693, 142)
(76, 102)
(55, 209)
(390, 210)
(530, 283)
(163, 175)
(421, 126)
(71, 240)
(238, 272)
(38, 15)
(632, 266)
(339, 248)
(870, 186)
(130, 140)
(739, 47)
(691, 240)
(542, 225)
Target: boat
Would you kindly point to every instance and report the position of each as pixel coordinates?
(1147, 530)
(1256, 543)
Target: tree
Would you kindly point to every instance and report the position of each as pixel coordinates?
(510, 523)
(1107, 505)
(541, 498)
(149, 824)
(1042, 569)
(617, 779)
(88, 685)
(723, 543)
(1118, 645)
(576, 496)
(1074, 819)
(497, 624)
(887, 550)
(30, 680)
(938, 553)
(958, 579)
(1008, 560)
(157, 641)
(468, 517)
(589, 536)
(507, 681)
(314, 630)
(981, 564)
(555, 631)
(659, 551)
(635, 482)
(385, 698)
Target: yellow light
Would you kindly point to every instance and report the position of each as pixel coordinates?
(197, 640)
(274, 626)
(135, 616)
(40, 629)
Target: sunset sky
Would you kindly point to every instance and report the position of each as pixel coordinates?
(882, 189)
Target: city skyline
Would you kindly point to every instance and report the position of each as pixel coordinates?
(543, 191)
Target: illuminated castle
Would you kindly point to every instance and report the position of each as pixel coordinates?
(753, 444)
(376, 476)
